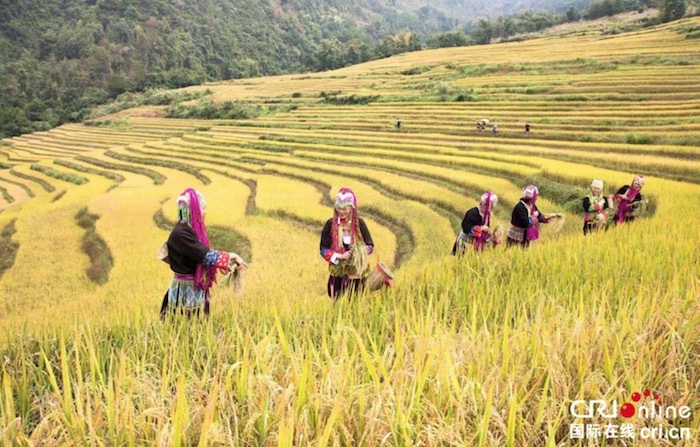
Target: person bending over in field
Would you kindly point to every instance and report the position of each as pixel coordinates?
(191, 258)
(596, 206)
(526, 219)
(346, 245)
(630, 201)
(476, 226)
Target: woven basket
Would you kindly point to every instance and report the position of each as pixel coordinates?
(379, 277)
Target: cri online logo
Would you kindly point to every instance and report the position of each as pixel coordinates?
(587, 409)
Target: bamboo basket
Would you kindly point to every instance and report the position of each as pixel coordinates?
(379, 277)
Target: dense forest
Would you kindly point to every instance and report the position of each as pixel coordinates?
(61, 58)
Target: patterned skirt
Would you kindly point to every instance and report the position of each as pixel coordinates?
(463, 241)
(517, 234)
(182, 293)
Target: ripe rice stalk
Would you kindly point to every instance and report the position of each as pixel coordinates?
(8, 409)
(498, 233)
(235, 279)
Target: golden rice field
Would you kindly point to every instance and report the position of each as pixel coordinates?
(488, 350)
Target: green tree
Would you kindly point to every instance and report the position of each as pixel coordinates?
(605, 8)
(330, 54)
(484, 32)
(455, 38)
(356, 51)
(573, 14)
(673, 10)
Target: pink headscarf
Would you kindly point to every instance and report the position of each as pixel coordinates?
(530, 192)
(345, 197)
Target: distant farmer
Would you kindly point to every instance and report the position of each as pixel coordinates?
(526, 219)
(346, 245)
(527, 128)
(476, 226)
(478, 125)
(596, 206)
(495, 127)
(191, 259)
(629, 200)
(398, 124)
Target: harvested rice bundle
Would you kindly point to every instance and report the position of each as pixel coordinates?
(235, 278)
(498, 233)
(360, 258)
(357, 264)
(557, 222)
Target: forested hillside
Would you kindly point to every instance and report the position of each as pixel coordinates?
(74, 54)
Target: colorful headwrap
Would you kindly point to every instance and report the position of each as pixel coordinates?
(530, 192)
(191, 208)
(344, 199)
(184, 205)
(597, 184)
(488, 198)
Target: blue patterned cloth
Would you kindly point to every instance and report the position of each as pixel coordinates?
(211, 258)
(182, 293)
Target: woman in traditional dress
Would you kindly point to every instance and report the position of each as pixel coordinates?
(476, 226)
(629, 198)
(191, 258)
(526, 219)
(346, 245)
(596, 206)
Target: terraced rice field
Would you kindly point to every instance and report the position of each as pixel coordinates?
(488, 349)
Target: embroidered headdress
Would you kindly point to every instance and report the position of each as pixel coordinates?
(530, 192)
